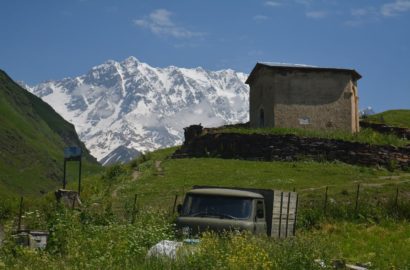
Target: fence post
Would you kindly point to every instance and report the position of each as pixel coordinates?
(396, 200)
(20, 213)
(65, 172)
(356, 208)
(175, 203)
(296, 214)
(287, 216)
(134, 209)
(280, 213)
(325, 203)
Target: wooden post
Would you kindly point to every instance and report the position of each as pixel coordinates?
(396, 200)
(175, 203)
(79, 179)
(280, 213)
(273, 207)
(325, 203)
(356, 208)
(296, 214)
(64, 177)
(287, 215)
(20, 214)
(134, 209)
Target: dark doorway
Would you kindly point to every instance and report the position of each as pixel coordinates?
(262, 118)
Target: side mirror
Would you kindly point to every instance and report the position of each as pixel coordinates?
(179, 208)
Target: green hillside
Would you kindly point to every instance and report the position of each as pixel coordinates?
(156, 179)
(129, 208)
(112, 235)
(397, 118)
(32, 140)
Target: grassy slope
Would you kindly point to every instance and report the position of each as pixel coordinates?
(101, 227)
(177, 175)
(379, 243)
(384, 244)
(398, 118)
(32, 137)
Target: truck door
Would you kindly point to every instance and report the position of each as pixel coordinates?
(259, 219)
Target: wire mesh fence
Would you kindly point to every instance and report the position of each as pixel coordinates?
(371, 201)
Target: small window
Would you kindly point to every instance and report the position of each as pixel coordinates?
(260, 209)
(304, 120)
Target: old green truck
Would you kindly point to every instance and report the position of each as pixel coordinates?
(260, 211)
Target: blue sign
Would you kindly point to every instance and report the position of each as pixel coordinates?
(72, 152)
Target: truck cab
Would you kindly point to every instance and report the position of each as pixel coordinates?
(222, 209)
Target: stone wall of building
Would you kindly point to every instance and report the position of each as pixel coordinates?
(321, 100)
(290, 148)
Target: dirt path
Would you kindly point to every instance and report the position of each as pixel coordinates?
(135, 175)
(158, 166)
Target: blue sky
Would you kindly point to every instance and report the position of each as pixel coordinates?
(43, 40)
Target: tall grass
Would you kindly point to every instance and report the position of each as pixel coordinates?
(101, 236)
(78, 242)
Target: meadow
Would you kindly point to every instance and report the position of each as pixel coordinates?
(111, 232)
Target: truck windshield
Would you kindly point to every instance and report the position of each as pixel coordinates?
(217, 206)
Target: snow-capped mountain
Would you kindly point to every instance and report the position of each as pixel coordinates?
(130, 105)
(366, 111)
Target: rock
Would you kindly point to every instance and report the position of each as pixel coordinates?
(69, 198)
(165, 248)
(32, 239)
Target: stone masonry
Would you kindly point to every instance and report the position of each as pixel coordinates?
(303, 97)
(290, 148)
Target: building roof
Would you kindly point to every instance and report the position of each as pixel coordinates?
(301, 67)
(225, 192)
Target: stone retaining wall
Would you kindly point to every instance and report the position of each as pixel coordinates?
(289, 148)
(382, 128)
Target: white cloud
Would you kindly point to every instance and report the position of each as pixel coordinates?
(161, 17)
(359, 12)
(160, 23)
(303, 2)
(272, 4)
(361, 16)
(260, 18)
(317, 14)
(394, 8)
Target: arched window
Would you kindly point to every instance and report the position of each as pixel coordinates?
(261, 118)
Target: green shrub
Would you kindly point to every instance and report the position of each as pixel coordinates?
(7, 208)
(114, 171)
(309, 217)
(74, 244)
(245, 251)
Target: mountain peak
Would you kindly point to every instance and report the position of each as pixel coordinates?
(131, 60)
(133, 104)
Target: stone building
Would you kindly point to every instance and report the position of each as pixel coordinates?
(298, 96)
